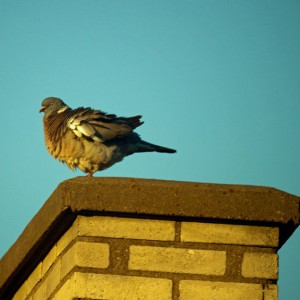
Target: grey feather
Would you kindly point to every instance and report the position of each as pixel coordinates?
(89, 139)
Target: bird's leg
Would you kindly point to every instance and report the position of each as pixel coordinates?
(90, 174)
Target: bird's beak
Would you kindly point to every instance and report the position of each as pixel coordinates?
(42, 108)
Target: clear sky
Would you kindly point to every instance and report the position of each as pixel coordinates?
(217, 80)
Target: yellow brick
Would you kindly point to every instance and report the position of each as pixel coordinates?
(21, 293)
(64, 292)
(127, 228)
(67, 238)
(49, 260)
(271, 292)
(40, 293)
(85, 254)
(229, 234)
(211, 290)
(34, 278)
(177, 260)
(53, 278)
(116, 287)
(260, 265)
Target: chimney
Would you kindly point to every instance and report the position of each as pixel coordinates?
(127, 238)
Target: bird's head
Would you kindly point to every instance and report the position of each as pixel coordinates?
(53, 105)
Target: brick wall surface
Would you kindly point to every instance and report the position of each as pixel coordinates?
(102, 257)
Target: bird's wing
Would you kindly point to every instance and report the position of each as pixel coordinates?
(99, 126)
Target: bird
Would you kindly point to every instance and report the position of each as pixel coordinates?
(91, 140)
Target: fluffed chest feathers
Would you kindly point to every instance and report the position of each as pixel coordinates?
(84, 154)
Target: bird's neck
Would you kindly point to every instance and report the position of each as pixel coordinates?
(64, 108)
(54, 124)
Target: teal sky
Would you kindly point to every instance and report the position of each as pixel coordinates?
(217, 80)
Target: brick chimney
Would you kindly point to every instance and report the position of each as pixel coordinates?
(126, 238)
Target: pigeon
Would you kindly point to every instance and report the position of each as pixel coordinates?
(91, 140)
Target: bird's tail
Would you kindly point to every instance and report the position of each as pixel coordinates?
(143, 146)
